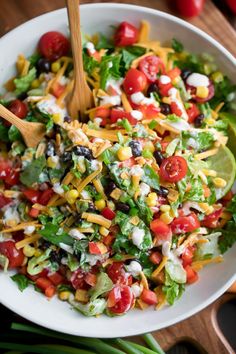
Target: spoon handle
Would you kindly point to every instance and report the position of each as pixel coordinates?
(11, 118)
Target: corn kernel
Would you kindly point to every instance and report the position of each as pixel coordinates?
(35, 84)
(57, 118)
(72, 194)
(52, 162)
(28, 251)
(166, 100)
(124, 153)
(64, 295)
(37, 253)
(55, 66)
(164, 208)
(166, 218)
(202, 92)
(210, 121)
(206, 208)
(217, 77)
(116, 193)
(149, 146)
(176, 80)
(100, 204)
(210, 173)
(81, 295)
(219, 182)
(103, 231)
(151, 199)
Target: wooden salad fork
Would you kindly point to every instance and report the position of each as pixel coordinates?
(81, 98)
(31, 132)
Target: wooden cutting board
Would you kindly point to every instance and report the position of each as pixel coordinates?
(201, 329)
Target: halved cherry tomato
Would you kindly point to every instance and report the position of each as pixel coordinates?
(151, 65)
(174, 73)
(184, 224)
(57, 89)
(13, 178)
(108, 213)
(5, 169)
(135, 81)
(46, 196)
(93, 248)
(155, 257)
(77, 279)
(4, 201)
(161, 230)
(187, 256)
(189, 8)
(175, 109)
(56, 278)
(212, 219)
(123, 299)
(16, 257)
(117, 273)
(117, 114)
(173, 169)
(126, 34)
(192, 112)
(32, 195)
(19, 108)
(90, 279)
(53, 45)
(149, 297)
(192, 276)
(34, 213)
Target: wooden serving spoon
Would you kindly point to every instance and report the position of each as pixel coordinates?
(81, 98)
(31, 132)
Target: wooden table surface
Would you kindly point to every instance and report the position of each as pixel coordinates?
(212, 21)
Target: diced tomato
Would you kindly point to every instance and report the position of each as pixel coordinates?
(184, 224)
(53, 45)
(149, 297)
(151, 65)
(192, 112)
(34, 213)
(161, 230)
(175, 109)
(117, 114)
(13, 178)
(149, 111)
(135, 81)
(50, 291)
(164, 88)
(174, 73)
(103, 112)
(108, 213)
(56, 278)
(108, 240)
(32, 195)
(90, 279)
(187, 256)
(45, 196)
(57, 89)
(95, 54)
(173, 169)
(4, 201)
(123, 300)
(192, 276)
(117, 273)
(15, 256)
(212, 219)
(42, 274)
(155, 257)
(126, 34)
(77, 280)
(93, 248)
(5, 169)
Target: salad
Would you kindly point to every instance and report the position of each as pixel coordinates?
(124, 211)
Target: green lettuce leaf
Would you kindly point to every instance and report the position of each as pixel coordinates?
(103, 285)
(23, 83)
(31, 173)
(21, 281)
(55, 234)
(150, 177)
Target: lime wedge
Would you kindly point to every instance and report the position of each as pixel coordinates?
(230, 118)
(224, 164)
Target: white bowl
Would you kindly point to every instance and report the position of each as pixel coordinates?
(214, 279)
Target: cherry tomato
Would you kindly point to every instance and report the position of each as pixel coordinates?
(187, 256)
(117, 273)
(192, 112)
(173, 169)
(108, 213)
(15, 256)
(34, 213)
(4, 201)
(123, 299)
(78, 279)
(151, 66)
(183, 224)
(126, 34)
(161, 230)
(53, 45)
(175, 109)
(212, 219)
(32, 195)
(192, 276)
(19, 108)
(232, 5)
(103, 112)
(56, 278)
(46, 196)
(174, 73)
(13, 178)
(5, 169)
(189, 8)
(155, 257)
(149, 297)
(135, 81)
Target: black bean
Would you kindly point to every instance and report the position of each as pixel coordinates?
(45, 244)
(109, 187)
(185, 73)
(91, 208)
(136, 148)
(22, 96)
(78, 220)
(152, 88)
(158, 156)
(67, 119)
(43, 65)
(122, 207)
(83, 151)
(50, 150)
(165, 108)
(162, 192)
(199, 120)
(66, 156)
(56, 256)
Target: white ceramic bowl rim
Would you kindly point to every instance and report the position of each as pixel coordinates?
(146, 326)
